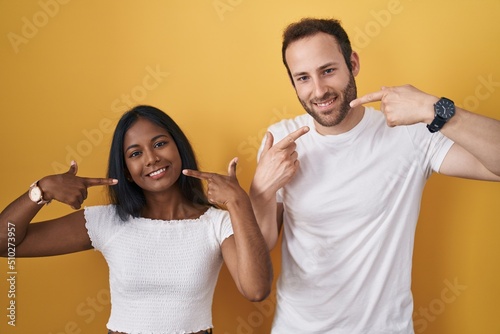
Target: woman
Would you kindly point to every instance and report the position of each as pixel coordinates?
(163, 239)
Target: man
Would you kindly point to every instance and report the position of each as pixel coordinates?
(350, 209)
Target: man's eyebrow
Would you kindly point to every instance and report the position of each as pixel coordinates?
(299, 74)
(322, 67)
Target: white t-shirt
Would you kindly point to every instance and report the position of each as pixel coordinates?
(349, 225)
(162, 274)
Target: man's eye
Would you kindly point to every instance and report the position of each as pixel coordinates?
(329, 70)
(302, 78)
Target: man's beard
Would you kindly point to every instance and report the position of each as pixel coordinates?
(348, 94)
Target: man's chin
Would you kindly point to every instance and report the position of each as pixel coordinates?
(327, 118)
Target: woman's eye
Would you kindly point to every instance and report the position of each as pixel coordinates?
(160, 144)
(134, 154)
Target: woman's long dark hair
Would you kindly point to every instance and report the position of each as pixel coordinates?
(127, 196)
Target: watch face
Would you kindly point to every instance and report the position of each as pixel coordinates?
(445, 108)
(35, 194)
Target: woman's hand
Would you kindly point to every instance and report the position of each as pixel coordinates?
(69, 188)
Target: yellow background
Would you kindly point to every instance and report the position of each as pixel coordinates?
(69, 68)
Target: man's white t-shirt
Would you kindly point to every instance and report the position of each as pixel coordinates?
(349, 225)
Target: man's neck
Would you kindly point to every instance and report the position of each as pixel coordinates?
(352, 119)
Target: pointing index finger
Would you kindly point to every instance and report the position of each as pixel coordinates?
(197, 174)
(371, 97)
(92, 182)
(292, 137)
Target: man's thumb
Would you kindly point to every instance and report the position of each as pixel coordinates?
(269, 142)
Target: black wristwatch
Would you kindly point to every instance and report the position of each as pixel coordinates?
(444, 109)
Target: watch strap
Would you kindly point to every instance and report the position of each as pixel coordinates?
(40, 201)
(436, 124)
(440, 120)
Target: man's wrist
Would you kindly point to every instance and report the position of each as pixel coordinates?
(444, 110)
(260, 195)
(429, 109)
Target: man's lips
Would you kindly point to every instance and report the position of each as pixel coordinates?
(325, 104)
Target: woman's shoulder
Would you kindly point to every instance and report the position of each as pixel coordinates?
(98, 213)
(214, 213)
(101, 209)
(220, 222)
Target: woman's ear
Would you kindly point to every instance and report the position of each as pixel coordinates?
(127, 175)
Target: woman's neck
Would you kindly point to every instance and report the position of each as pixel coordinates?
(171, 206)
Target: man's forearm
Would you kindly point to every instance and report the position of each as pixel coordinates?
(479, 135)
(268, 215)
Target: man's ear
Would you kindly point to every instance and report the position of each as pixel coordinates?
(355, 65)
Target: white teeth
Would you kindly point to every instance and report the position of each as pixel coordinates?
(157, 172)
(325, 104)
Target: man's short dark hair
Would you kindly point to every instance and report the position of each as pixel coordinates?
(311, 26)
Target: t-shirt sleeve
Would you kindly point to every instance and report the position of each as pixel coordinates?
(442, 147)
(223, 227)
(432, 147)
(98, 224)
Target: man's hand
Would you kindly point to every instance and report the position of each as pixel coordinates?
(277, 163)
(402, 105)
